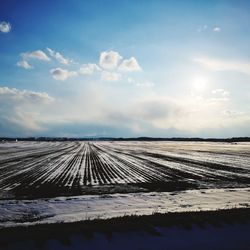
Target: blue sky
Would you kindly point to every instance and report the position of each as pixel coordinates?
(125, 68)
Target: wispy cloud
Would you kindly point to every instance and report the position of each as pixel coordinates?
(62, 74)
(205, 27)
(37, 54)
(145, 84)
(216, 29)
(202, 28)
(223, 65)
(219, 95)
(24, 64)
(26, 56)
(221, 92)
(89, 69)
(141, 84)
(5, 27)
(59, 57)
(16, 94)
(110, 76)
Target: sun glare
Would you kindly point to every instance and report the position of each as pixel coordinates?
(199, 84)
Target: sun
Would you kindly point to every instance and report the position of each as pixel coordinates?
(199, 84)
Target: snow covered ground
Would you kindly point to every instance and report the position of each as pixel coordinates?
(52, 182)
(49, 169)
(80, 208)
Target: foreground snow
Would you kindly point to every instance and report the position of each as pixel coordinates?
(78, 208)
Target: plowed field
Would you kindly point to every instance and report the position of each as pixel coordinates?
(48, 169)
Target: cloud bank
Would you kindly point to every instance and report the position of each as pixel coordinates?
(93, 112)
(22, 112)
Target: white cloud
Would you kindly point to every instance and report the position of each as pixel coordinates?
(233, 113)
(110, 76)
(129, 65)
(88, 69)
(37, 54)
(109, 60)
(21, 95)
(141, 84)
(5, 27)
(59, 57)
(24, 64)
(23, 111)
(222, 92)
(180, 113)
(217, 29)
(224, 65)
(145, 84)
(149, 113)
(112, 60)
(62, 74)
(111, 64)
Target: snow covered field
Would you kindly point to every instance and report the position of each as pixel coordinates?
(89, 207)
(50, 182)
(49, 169)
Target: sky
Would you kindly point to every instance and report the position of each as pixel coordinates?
(129, 68)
